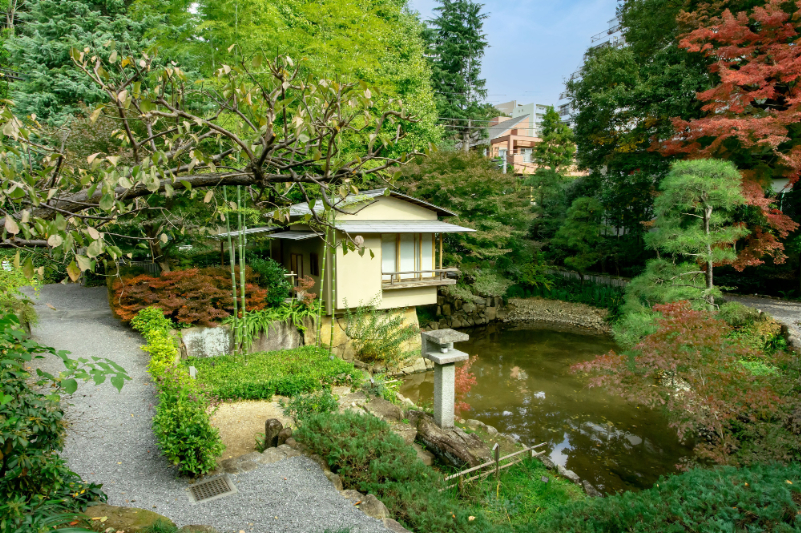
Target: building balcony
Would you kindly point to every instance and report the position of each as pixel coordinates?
(417, 278)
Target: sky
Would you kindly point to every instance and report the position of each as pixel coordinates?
(534, 45)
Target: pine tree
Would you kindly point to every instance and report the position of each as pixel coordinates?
(456, 43)
(557, 148)
(53, 87)
(694, 221)
(580, 236)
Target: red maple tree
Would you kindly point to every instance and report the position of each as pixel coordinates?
(752, 114)
(195, 296)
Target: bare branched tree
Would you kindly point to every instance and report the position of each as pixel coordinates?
(256, 124)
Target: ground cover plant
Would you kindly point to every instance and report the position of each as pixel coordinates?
(199, 296)
(182, 425)
(260, 375)
(722, 499)
(369, 457)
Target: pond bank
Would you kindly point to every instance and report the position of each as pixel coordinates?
(558, 313)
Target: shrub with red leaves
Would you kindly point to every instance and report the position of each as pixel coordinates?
(694, 369)
(195, 296)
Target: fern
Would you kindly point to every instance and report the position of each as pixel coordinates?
(256, 323)
(378, 336)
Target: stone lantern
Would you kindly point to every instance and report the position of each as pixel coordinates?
(437, 346)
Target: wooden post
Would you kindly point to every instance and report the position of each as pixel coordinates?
(440, 251)
(497, 451)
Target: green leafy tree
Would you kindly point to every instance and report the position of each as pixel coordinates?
(456, 44)
(694, 218)
(578, 239)
(483, 198)
(53, 87)
(378, 43)
(557, 148)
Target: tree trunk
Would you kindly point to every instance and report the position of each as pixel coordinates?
(709, 279)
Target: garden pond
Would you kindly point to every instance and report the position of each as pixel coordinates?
(525, 388)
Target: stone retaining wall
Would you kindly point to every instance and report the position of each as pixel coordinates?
(453, 312)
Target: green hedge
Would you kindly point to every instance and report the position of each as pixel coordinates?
(260, 375)
(182, 426)
(723, 499)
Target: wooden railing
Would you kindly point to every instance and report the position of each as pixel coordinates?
(493, 466)
(418, 275)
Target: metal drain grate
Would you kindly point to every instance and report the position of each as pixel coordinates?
(211, 489)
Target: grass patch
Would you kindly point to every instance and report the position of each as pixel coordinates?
(522, 497)
(259, 376)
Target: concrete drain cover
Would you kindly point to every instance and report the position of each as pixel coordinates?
(211, 489)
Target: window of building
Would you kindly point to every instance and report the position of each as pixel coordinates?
(409, 253)
(502, 153)
(526, 153)
(314, 265)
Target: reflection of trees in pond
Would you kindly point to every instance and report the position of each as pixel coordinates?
(464, 382)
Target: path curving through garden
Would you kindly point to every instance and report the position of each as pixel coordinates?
(110, 441)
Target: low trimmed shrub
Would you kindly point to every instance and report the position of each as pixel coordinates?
(303, 406)
(182, 426)
(370, 458)
(723, 499)
(259, 376)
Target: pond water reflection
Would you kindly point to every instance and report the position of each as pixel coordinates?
(524, 388)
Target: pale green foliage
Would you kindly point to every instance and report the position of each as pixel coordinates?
(489, 283)
(579, 237)
(634, 326)
(378, 335)
(377, 42)
(665, 282)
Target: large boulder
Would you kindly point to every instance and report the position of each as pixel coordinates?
(384, 409)
(128, 519)
(452, 446)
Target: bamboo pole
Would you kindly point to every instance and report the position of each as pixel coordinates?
(333, 289)
(241, 247)
(322, 292)
(232, 261)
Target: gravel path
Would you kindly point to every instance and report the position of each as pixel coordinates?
(110, 441)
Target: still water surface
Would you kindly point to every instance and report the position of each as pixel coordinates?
(525, 389)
